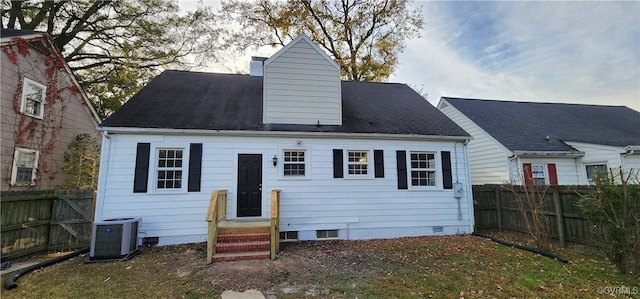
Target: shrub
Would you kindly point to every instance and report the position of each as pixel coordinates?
(614, 211)
(81, 161)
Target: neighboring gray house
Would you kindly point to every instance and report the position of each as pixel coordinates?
(43, 109)
(545, 143)
(354, 160)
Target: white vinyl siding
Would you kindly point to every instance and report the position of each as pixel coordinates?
(358, 209)
(301, 87)
(488, 159)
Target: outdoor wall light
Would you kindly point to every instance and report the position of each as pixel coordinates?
(275, 160)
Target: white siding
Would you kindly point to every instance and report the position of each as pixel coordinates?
(488, 159)
(358, 208)
(566, 169)
(604, 154)
(301, 86)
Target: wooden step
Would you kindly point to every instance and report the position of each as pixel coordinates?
(243, 230)
(235, 256)
(235, 238)
(243, 246)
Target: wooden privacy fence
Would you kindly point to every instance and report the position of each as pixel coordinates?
(495, 207)
(37, 221)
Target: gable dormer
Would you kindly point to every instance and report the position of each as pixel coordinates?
(301, 85)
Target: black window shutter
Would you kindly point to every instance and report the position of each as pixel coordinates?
(378, 160)
(401, 160)
(195, 167)
(447, 180)
(338, 171)
(142, 168)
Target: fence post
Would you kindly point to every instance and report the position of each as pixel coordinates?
(498, 208)
(559, 218)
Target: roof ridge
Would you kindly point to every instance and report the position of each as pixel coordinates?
(530, 102)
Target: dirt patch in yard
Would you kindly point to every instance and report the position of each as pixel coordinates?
(310, 268)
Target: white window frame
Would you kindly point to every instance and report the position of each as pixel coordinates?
(155, 168)
(586, 173)
(436, 169)
(14, 170)
(26, 82)
(545, 174)
(307, 164)
(325, 234)
(368, 163)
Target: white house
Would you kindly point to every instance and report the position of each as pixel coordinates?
(354, 160)
(545, 143)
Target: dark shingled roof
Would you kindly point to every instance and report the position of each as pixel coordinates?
(15, 32)
(207, 101)
(525, 125)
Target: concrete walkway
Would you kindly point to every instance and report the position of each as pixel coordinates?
(249, 294)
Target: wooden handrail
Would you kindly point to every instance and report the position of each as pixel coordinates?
(217, 212)
(275, 222)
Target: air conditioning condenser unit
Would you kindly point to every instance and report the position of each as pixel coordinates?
(114, 239)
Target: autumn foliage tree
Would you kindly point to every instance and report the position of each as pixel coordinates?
(364, 37)
(81, 162)
(115, 47)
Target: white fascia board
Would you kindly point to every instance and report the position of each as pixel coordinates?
(157, 131)
(533, 154)
(300, 37)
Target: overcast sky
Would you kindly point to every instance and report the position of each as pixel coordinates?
(571, 52)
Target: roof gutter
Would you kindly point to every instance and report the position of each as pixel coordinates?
(542, 154)
(242, 133)
(629, 150)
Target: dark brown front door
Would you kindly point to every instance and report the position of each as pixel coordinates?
(249, 185)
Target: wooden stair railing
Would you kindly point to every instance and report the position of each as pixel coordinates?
(275, 223)
(217, 212)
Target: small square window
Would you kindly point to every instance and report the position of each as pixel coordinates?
(294, 163)
(289, 236)
(592, 169)
(327, 234)
(25, 163)
(32, 101)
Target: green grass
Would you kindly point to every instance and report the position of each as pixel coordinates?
(440, 267)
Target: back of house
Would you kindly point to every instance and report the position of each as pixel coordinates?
(353, 160)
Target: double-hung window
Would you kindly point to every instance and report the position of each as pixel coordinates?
(294, 164)
(32, 101)
(358, 163)
(169, 169)
(423, 169)
(539, 175)
(25, 163)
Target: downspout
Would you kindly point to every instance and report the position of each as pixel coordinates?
(629, 151)
(455, 157)
(102, 177)
(509, 160)
(469, 193)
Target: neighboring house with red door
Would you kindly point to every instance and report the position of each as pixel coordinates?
(545, 143)
(354, 160)
(43, 110)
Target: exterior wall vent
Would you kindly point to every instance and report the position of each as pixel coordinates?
(114, 238)
(438, 229)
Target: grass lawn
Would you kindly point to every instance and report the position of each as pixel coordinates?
(438, 267)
